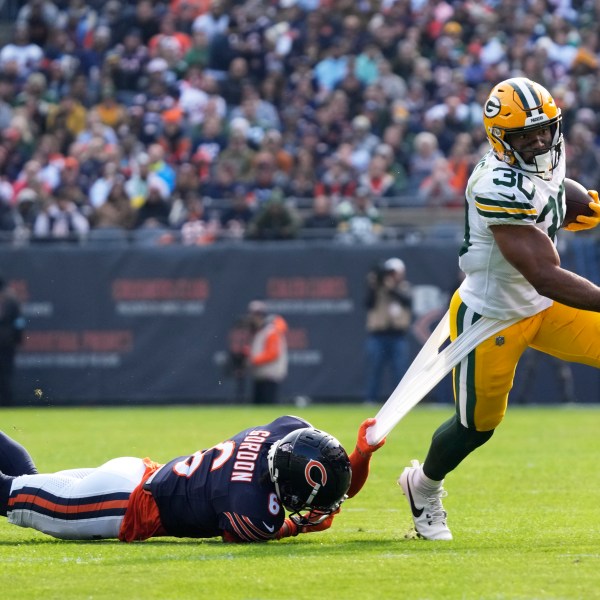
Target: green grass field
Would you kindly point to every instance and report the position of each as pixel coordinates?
(523, 510)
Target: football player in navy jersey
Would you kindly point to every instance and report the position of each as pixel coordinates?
(239, 489)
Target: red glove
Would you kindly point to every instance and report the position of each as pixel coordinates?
(362, 446)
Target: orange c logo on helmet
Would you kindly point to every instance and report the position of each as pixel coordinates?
(314, 464)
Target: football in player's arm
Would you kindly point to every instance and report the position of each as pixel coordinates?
(239, 489)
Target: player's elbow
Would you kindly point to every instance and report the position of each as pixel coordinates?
(545, 284)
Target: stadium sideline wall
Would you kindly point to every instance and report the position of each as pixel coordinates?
(136, 325)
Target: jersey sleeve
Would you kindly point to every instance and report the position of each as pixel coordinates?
(242, 528)
(502, 205)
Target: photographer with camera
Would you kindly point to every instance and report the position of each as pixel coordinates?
(389, 317)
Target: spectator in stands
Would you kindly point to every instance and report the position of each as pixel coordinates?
(116, 212)
(173, 136)
(188, 180)
(28, 205)
(93, 54)
(199, 97)
(338, 180)
(144, 18)
(260, 114)
(294, 69)
(272, 142)
(74, 184)
(359, 219)
(209, 138)
(231, 86)
(303, 179)
(100, 189)
(377, 177)
(60, 218)
(393, 85)
(237, 214)
(154, 212)
(30, 177)
(212, 22)
(44, 10)
(34, 101)
(110, 111)
(126, 63)
(238, 153)
(332, 68)
(198, 228)
(321, 220)
(199, 53)
(69, 114)
(170, 44)
(435, 189)
(20, 57)
(110, 13)
(159, 166)
(7, 95)
(273, 221)
(583, 155)
(423, 160)
(363, 143)
(14, 153)
(136, 185)
(267, 177)
(461, 160)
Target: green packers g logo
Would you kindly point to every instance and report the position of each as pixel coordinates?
(492, 107)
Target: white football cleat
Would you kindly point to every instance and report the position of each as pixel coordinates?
(427, 510)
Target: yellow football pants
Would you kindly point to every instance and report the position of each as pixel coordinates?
(484, 378)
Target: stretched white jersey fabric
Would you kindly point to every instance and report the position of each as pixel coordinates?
(498, 194)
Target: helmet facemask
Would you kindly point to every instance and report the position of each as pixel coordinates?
(543, 161)
(305, 476)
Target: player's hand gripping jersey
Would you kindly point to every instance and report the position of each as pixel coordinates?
(498, 194)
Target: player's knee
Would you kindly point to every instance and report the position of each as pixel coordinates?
(473, 438)
(489, 423)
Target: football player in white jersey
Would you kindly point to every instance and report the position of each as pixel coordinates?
(515, 206)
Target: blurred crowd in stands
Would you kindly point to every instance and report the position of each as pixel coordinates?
(202, 120)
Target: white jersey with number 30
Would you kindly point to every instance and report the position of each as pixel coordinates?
(498, 194)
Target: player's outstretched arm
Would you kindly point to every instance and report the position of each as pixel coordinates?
(532, 253)
(361, 457)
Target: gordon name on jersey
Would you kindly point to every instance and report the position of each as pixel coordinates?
(498, 194)
(224, 488)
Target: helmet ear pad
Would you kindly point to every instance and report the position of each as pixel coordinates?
(310, 470)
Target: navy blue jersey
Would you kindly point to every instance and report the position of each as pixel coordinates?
(224, 488)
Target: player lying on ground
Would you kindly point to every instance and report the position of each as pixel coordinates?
(237, 489)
